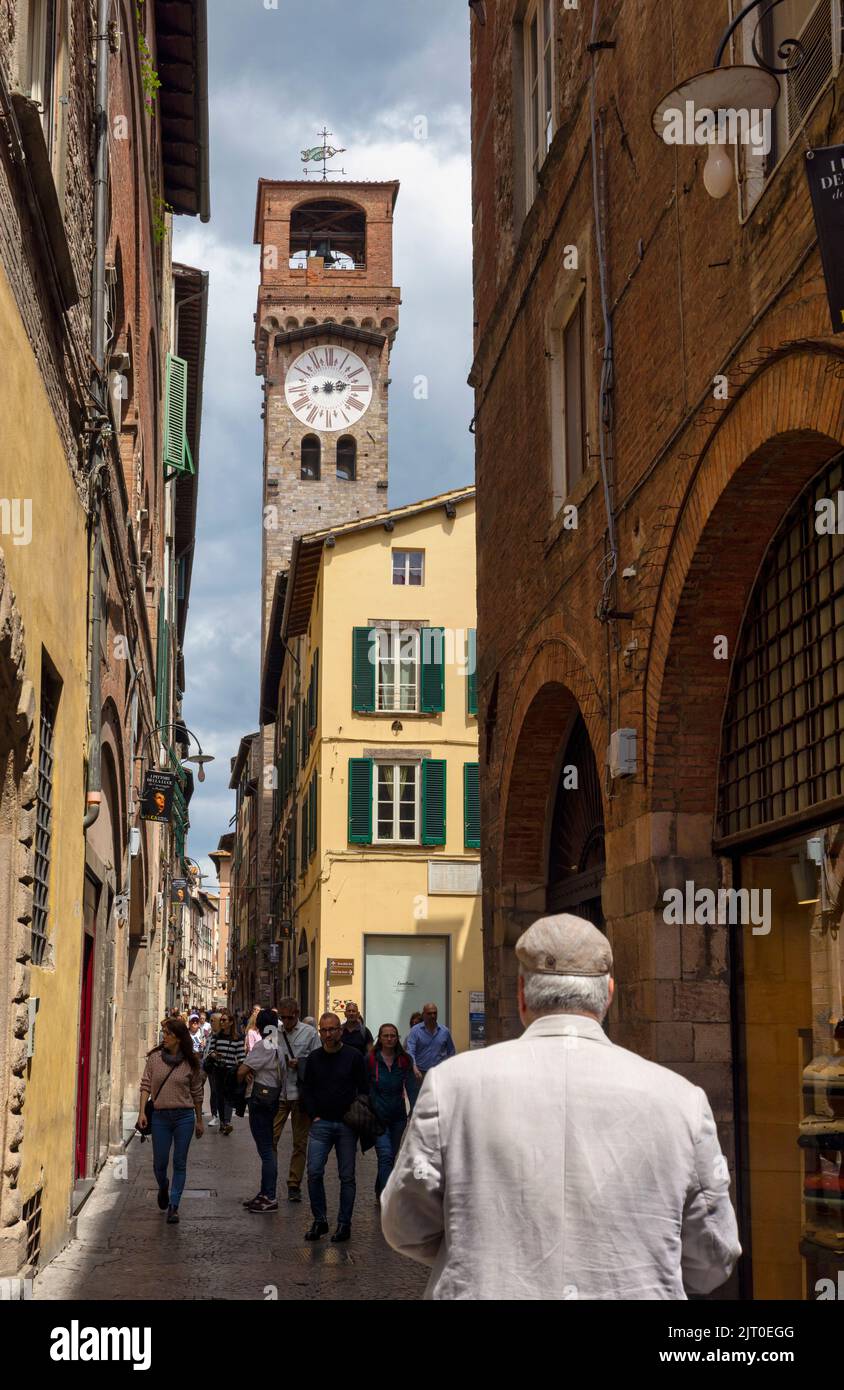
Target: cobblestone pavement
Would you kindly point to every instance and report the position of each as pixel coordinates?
(125, 1250)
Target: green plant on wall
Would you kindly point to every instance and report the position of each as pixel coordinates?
(150, 80)
(160, 209)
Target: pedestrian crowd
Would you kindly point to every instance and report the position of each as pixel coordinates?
(340, 1088)
(556, 1165)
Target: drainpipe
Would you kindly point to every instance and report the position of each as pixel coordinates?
(99, 458)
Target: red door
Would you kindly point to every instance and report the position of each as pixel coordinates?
(83, 1074)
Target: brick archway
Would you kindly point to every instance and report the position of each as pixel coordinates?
(722, 520)
(553, 686)
(17, 829)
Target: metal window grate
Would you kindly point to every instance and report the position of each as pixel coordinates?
(32, 1217)
(782, 744)
(43, 821)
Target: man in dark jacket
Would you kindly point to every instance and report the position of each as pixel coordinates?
(334, 1076)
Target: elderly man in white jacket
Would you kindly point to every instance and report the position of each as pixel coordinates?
(559, 1165)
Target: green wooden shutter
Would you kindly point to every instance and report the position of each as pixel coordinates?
(176, 453)
(472, 805)
(312, 818)
(293, 845)
(433, 801)
(363, 670)
(162, 666)
(294, 719)
(432, 641)
(315, 682)
(472, 672)
(360, 801)
(306, 740)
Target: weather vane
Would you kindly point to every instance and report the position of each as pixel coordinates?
(322, 153)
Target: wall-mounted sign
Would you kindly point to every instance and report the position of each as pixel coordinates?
(477, 1019)
(273, 953)
(179, 890)
(341, 968)
(157, 796)
(825, 172)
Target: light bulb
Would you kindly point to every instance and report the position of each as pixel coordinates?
(718, 172)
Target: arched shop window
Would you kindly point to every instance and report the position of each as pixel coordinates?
(781, 830)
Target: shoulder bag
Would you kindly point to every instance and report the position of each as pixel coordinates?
(265, 1097)
(149, 1108)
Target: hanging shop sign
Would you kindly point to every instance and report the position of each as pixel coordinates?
(477, 1019)
(157, 796)
(179, 890)
(825, 172)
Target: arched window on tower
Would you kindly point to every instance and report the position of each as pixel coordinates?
(310, 458)
(347, 453)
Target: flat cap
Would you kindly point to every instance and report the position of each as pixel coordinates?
(564, 945)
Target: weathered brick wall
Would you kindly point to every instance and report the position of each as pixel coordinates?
(699, 487)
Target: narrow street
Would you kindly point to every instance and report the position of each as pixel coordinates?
(125, 1250)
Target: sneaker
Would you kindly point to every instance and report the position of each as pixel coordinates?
(226, 1129)
(172, 1216)
(262, 1204)
(249, 1200)
(294, 1194)
(213, 1122)
(163, 1197)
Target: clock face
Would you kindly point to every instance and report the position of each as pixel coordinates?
(328, 388)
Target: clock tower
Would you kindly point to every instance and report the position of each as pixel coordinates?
(326, 319)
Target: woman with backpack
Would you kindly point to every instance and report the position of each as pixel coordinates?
(262, 1064)
(389, 1067)
(224, 1056)
(173, 1083)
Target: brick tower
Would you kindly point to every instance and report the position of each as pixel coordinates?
(327, 315)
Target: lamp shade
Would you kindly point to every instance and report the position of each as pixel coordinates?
(742, 88)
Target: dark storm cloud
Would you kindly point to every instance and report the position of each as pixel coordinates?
(379, 75)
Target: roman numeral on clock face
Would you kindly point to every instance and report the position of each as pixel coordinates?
(316, 361)
(312, 414)
(354, 404)
(329, 357)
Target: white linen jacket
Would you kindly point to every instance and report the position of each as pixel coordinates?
(559, 1166)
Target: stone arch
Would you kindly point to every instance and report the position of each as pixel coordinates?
(17, 827)
(723, 519)
(553, 686)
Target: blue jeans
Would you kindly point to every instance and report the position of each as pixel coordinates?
(386, 1148)
(324, 1136)
(172, 1127)
(261, 1120)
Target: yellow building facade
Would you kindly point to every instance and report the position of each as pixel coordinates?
(44, 599)
(370, 658)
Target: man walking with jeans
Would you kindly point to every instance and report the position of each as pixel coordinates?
(296, 1042)
(334, 1076)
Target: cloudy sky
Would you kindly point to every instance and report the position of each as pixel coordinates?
(278, 72)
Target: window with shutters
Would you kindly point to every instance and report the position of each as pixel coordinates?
(397, 793)
(816, 25)
(162, 669)
(177, 454)
(471, 806)
(42, 54)
(312, 818)
(536, 41)
(43, 849)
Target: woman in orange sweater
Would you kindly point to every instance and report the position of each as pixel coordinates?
(174, 1081)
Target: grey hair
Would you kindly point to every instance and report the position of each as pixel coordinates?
(566, 994)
